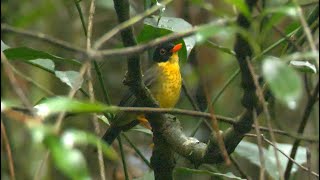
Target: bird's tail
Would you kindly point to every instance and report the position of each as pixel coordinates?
(113, 131)
(111, 134)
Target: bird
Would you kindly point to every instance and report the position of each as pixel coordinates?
(164, 81)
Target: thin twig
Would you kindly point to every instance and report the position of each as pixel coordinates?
(260, 95)
(29, 79)
(238, 167)
(283, 153)
(309, 162)
(307, 32)
(145, 160)
(189, 96)
(77, 3)
(260, 146)
(214, 120)
(90, 87)
(8, 149)
(307, 111)
(43, 37)
(128, 23)
(228, 82)
(13, 81)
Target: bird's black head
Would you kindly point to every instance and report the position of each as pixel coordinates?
(164, 51)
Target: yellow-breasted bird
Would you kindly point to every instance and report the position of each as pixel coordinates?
(164, 81)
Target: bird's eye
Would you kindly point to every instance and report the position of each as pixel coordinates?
(163, 51)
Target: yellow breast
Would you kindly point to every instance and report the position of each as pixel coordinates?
(168, 87)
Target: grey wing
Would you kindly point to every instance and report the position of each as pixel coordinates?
(130, 100)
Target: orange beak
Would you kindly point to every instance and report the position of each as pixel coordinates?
(176, 48)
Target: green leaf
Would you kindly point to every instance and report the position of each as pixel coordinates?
(26, 54)
(71, 78)
(77, 137)
(69, 161)
(205, 172)
(64, 104)
(283, 81)
(167, 25)
(45, 63)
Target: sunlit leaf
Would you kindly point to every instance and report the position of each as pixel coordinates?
(71, 78)
(45, 63)
(284, 82)
(77, 137)
(205, 172)
(304, 66)
(64, 104)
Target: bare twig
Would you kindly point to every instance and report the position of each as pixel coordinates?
(43, 37)
(309, 162)
(238, 167)
(8, 149)
(215, 126)
(307, 32)
(143, 47)
(260, 95)
(260, 146)
(90, 87)
(29, 79)
(283, 153)
(307, 111)
(189, 96)
(145, 160)
(13, 81)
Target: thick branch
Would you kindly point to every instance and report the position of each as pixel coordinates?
(162, 157)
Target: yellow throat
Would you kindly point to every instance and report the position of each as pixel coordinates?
(168, 87)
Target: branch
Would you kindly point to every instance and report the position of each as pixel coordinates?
(162, 159)
(43, 37)
(5, 141)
